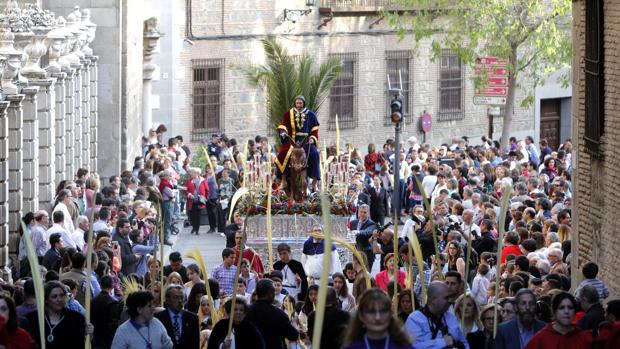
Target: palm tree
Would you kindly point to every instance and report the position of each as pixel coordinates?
(284, 81)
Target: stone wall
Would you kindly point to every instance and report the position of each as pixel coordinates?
(45, 114)
(596, 182)
(107, 14)
(237, 41)
(131, 99)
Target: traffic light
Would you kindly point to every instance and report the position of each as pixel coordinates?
(396, 110)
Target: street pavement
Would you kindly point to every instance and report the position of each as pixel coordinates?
(209, 245)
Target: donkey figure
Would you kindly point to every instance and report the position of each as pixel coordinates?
(298, 164)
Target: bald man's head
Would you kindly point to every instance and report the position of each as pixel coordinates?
(438, 298)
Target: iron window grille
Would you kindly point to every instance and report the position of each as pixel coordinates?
(207, 97)
(343, 94)
(450, 87)
(399, 61)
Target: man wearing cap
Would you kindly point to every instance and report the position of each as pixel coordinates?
(299, 123)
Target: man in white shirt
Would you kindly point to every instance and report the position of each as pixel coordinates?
(40, 239)
(468, 224)
(83, 226)
(102, 223)
(57, 227)
(430, 181)
(441, 184)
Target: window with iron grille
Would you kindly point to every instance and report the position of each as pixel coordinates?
(397, 67)
(343, 94)
(207, 97)
(450, 87)
(594, 101)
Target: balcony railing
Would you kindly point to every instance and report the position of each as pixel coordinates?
(357, 5)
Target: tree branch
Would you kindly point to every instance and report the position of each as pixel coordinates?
(529, 61)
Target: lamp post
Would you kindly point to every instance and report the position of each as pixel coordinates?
(396, 115)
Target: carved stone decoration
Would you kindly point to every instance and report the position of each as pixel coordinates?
(35, 50)
(19, 22)
(61, 47)
(13, 63)
(73, 45)
(55, 39)
(90, 34)
(42, 23)
(83, 33)
(150, 38)
(22, 39)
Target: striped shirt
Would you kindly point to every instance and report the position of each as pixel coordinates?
(603, 292)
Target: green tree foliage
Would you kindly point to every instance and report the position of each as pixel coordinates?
(533, 35)
(283, 80)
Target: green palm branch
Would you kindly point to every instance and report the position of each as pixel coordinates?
(283, 80)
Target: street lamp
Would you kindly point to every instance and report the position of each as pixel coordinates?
(396, 115)
(294, 15)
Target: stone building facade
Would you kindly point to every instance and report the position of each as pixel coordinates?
(48, 111)
(219, 37)
(596, 136)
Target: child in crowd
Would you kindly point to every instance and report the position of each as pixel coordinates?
(590, 271)
(480, 285)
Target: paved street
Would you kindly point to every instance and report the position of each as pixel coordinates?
(210, 245)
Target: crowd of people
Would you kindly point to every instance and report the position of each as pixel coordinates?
(463, 291)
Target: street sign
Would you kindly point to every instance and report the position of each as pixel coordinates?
(497, 81)
(483, 100)
(491, 61)
(427, 122)
(493, 92)
(496, 78)
(491, 71)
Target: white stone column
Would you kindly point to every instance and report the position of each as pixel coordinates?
(30, 149)
(16, 166)
(47, 140)
(4, 191)
(70, 168)
(85, 95)
(149, 43)
(94, 112)
(60, 127)
(77, 117)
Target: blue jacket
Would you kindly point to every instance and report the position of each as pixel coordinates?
(365, 232)
(508, 336)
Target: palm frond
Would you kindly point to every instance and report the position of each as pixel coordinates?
(130, 285)
(195, 255)
(283, 81)
(324, 79)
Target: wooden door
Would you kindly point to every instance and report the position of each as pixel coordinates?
(550, 122)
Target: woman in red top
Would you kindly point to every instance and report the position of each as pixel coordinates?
(511, 246)
(373, 160)
(12, 336)
(197, 194)
(561, 333)
(384, 277)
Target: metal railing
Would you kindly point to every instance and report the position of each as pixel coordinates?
(356, 5)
